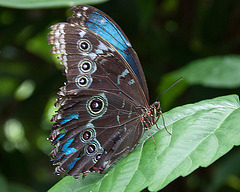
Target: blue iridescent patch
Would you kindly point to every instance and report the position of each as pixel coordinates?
(66, 148)
(70, 166)
(108, 30)
(70, 150)
(61, 135)
(69, 118)
(67, 144)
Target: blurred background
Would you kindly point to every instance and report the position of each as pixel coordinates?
(166, 34)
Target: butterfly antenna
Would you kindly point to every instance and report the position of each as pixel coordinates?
(180, 79)
(160, 110)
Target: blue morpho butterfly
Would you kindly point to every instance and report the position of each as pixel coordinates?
(103, 106)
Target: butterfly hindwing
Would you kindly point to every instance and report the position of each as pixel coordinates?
(99, 115)
(93, 135)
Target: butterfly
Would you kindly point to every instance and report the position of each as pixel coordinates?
(103, 107)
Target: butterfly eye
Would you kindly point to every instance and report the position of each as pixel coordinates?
(97, 157)
(92, 148)
(84, 45)
(96, 105)
(87, 135)
(83, 81)
(87, 66)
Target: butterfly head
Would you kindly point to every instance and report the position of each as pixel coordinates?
(155, 109)
(156, 105)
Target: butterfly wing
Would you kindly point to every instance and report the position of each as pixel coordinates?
(100, 23)
(86, 140)
(108, 71)
(100, 105)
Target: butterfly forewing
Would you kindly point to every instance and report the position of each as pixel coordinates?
(100, 23)
(109, 70)
(102, 102)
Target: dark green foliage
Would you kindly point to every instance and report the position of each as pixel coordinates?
(196, 40)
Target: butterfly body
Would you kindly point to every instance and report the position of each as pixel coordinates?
(103, 107)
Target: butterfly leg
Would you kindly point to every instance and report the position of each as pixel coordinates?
(161, 114)
(148, 128)
(158, 110)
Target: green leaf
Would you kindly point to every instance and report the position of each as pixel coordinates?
(201, 133)
(37, 4)
(217, 72)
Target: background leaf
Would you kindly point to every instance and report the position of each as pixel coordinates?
(201, 133)
(37, 4)
(217, 72)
